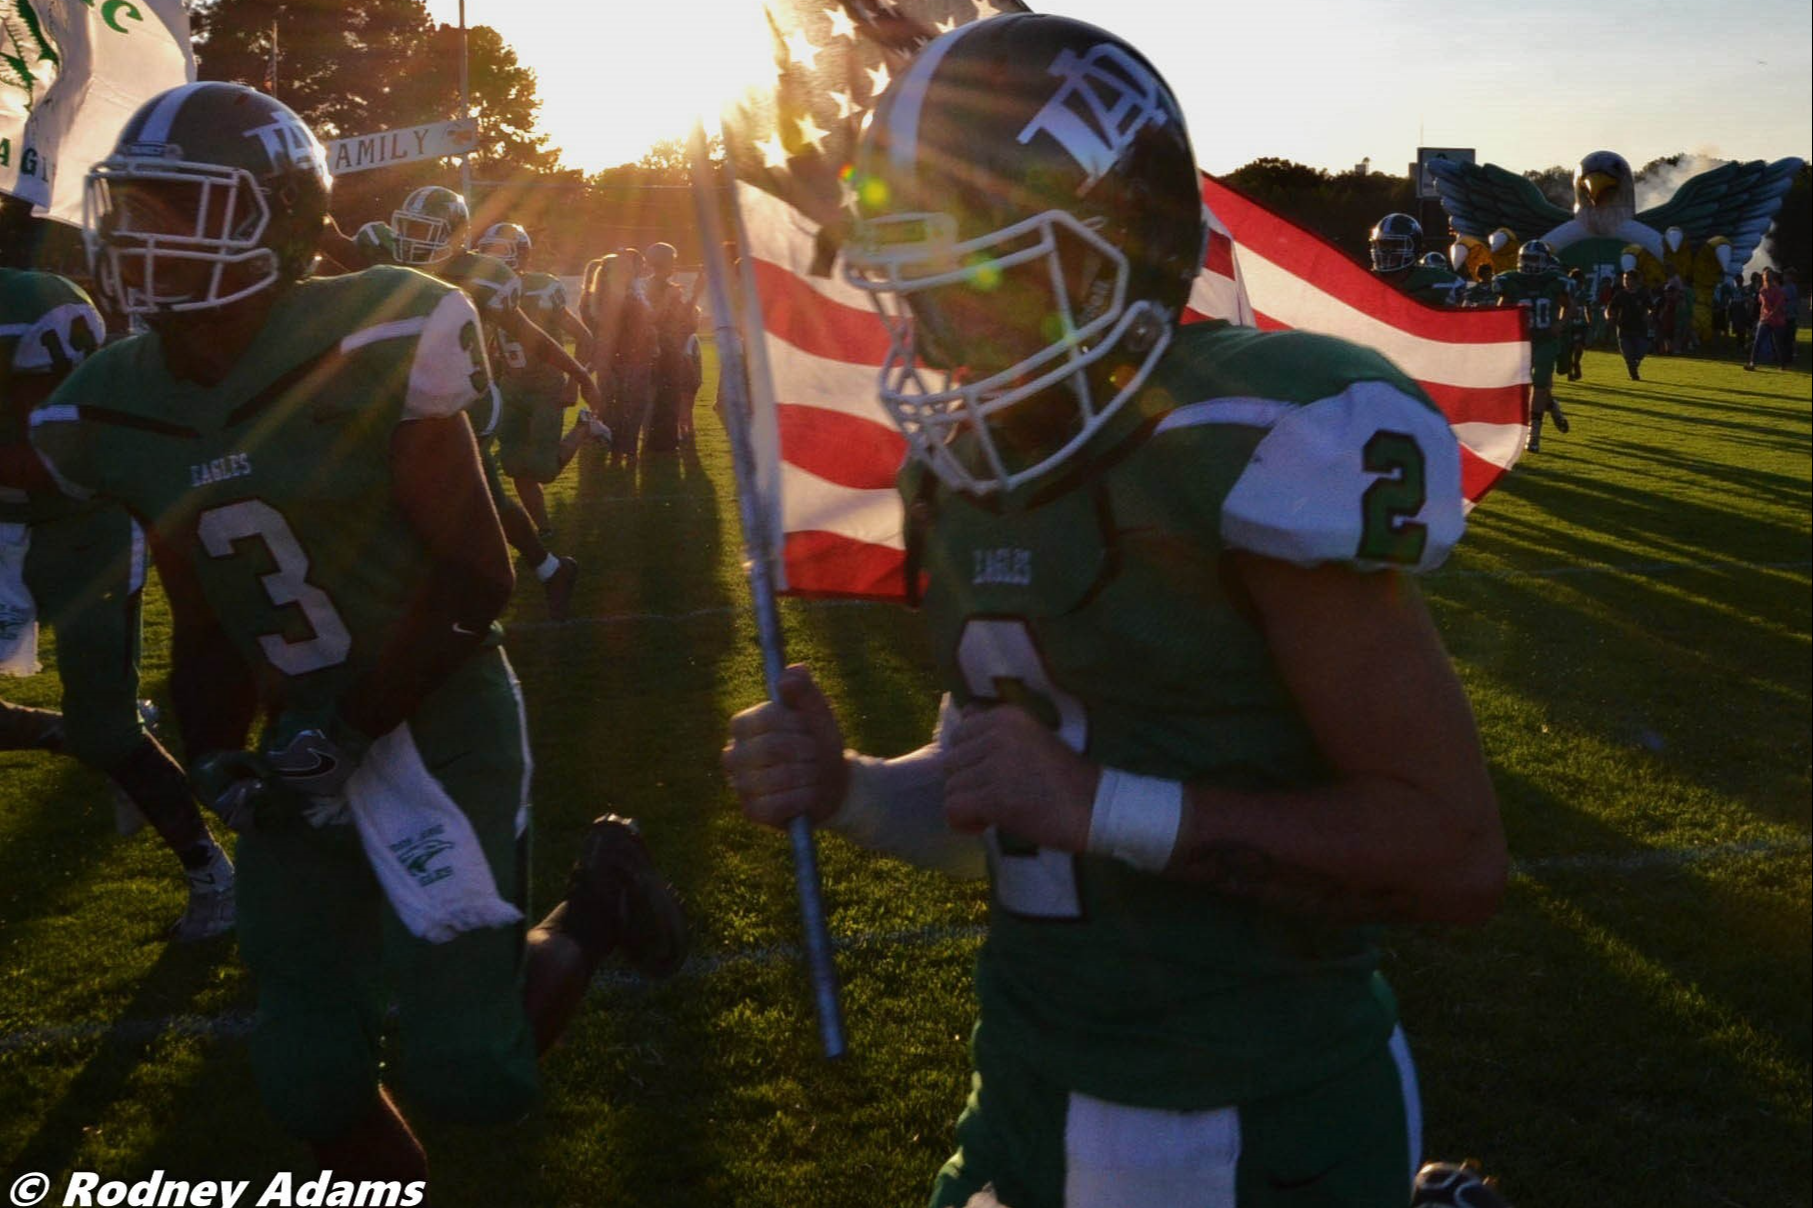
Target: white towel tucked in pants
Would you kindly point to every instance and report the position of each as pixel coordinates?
(420, 845)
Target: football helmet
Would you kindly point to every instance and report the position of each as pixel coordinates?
(431, 225)
(377, 243)
(212, 193)
(1536, 257)
(1434, 260)
(509, 243)
(1029, 221)
(1395, 242)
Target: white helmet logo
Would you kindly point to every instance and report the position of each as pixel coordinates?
(1106, 99)
(290, 144)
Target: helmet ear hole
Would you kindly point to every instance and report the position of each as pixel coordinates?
(1144, 332)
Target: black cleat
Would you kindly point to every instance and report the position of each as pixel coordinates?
(559, 587)
(1452, 1185)
(26, 729)
(618, 901)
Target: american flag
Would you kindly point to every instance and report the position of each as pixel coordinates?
(827, 454)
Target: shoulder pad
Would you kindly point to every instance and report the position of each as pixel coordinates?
(1368, 477)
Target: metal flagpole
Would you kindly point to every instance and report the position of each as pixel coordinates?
(759, 550)
(465, 112)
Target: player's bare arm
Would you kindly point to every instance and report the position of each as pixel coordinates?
(1408, 831)
(571, 324)
(212, 691)
(439, 486)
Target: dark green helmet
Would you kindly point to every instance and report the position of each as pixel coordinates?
(213, 193)
(508, 242)
(431, 225)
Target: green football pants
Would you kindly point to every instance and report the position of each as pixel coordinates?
(528, 435)
(329, 954)
(1351, 1141)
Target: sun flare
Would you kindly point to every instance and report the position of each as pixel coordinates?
(616, 78)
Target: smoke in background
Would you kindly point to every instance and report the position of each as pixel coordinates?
(1657, 184)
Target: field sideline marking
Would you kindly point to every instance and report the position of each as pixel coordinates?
(1638, 569)
(237, 1023)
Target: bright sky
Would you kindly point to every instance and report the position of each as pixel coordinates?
(1528, 83)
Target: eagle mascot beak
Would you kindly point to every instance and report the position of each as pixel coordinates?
(1598, 185)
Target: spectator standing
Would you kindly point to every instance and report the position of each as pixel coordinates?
(676, 318)
(1771, 321)
(1628, 313)
(623, 351)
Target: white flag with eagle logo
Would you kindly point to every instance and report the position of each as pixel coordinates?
(71, 73)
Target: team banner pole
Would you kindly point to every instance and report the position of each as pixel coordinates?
(759, 559)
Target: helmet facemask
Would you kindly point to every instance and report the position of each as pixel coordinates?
(509, 243)
(1535, 257)
(1391, 252)
(965, 353)
(421, 238)
(168, 236)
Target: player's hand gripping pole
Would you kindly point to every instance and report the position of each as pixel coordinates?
(759, 550)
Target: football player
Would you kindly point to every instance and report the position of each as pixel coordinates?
(530, 448)
(299, 452)
(1200, 730)
(1394, 244)
(1536, 284)
(1579, 322)
(84, 567)
(430, 230)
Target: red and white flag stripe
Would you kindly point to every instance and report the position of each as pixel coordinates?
(827, 454)
(1475, 364)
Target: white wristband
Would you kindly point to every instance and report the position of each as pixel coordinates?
(1136, 819)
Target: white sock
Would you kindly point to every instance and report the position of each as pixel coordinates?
(546, 570)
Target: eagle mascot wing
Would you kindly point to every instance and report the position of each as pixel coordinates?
(1482, 197)
(1737, 201)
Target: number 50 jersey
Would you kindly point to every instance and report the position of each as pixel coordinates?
(274, 485)
(1102, 604)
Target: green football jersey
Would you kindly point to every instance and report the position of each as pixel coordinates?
(543, 298)
(1099, 603)
(275, 484)
(492, 285)
(48, 324)
(1544, 295)
(495, 290)
(1434, 286)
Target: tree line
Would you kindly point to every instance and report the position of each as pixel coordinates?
(353, 67)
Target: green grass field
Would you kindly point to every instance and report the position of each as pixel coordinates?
(1630, 613)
